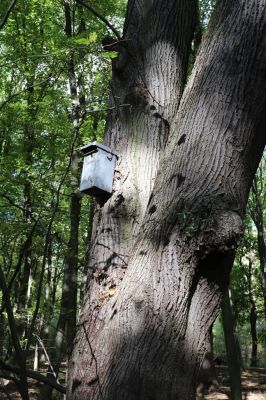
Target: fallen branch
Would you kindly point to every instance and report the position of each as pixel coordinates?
(34, 375)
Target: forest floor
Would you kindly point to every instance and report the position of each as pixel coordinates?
(253, 386)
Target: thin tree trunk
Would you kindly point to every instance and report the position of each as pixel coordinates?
(256, 212)
(36, 357)
(262, 257)
(233, 359)
(48, 304)
(77, 116)
(65, 330)
(2, 332)
(28, 150)
(48, 299)
(54, 287)
(252, 318)
(253, 322)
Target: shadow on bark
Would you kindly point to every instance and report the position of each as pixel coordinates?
(155, 370)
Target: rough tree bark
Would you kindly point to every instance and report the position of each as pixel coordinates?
(207, 377)
(180, 193)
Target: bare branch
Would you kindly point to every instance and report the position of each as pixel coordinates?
(47, 356)
(103, 19)
(23, 209)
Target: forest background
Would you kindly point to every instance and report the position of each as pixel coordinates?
(53, 99)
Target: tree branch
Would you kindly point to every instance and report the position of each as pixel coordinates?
(47, 356)
(103, 19)
(23, 209)
(10, 8)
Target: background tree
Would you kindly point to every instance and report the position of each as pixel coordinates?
(257, 212)
(39, 139)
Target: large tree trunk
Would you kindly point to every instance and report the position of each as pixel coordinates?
(173, 228)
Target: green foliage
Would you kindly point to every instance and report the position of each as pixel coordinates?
(37, 141)
(111, 54)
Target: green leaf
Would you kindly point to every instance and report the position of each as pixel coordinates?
(111, 54)
(82, 41)
(86, 41)
(93, 37)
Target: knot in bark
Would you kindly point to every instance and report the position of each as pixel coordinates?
(220, 233)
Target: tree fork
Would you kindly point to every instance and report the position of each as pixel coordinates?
(134, 98)
(148, 340)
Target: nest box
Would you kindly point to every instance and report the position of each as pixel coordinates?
(98, 170)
